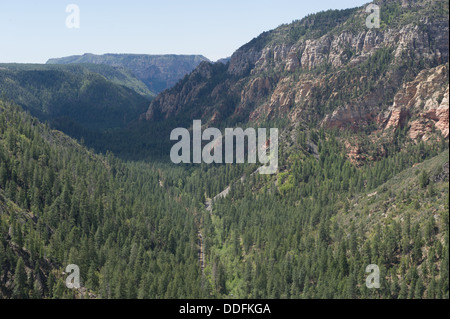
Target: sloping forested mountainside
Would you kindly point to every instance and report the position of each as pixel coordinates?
(158, 72)
(361, 110)
(117, 75)
(135, 229)
(363, 176)
(311, 230)
(61, 204)
(72, 99)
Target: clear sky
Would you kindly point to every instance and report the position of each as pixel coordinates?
(33, 31)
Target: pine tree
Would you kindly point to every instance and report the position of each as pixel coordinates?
(403, 291)
(418, 293)
(20, 280)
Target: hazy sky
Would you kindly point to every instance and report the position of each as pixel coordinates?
(34, 31)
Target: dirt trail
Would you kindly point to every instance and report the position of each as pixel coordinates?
(201, 251)
(224, 194)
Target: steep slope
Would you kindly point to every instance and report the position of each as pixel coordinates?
(311, 231)
(158, 72)
(327, 69)
(363, 175)
(61, 204)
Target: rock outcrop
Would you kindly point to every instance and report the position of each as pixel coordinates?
(425, 100)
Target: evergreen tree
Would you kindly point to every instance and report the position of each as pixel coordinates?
(20, 281)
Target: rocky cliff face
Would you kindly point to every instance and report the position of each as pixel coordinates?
(187, 92)
(330, 69)
(424, 103)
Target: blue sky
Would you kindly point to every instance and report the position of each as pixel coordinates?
(34, 31)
